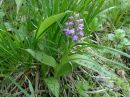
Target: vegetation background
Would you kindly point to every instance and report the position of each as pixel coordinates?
(38, 60)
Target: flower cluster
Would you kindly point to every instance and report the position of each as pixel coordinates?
(74, 27)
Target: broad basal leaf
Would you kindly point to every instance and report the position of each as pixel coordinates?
(47, 23)
(91, 64)
(42, 57)
(63, 69)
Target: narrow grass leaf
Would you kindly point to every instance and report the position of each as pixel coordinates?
(22, 90)
(31, 88)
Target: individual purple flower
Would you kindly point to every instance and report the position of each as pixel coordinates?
(81, 25)
(69, 23)
(80, 28)
(66, 32)
(81, 34)
(75, 38)
(71, 31)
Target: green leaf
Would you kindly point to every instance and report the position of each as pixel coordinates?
(47, 23)
(112, 50)
(117, 51)
(44, 70)
(42, 57)
(2, 14)
(53, 85)
(18, 3)
(91, 64)
(111, 61)
(63, 69)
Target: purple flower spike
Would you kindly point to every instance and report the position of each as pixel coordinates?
(75, 38)
(81, 33)
(74, 27)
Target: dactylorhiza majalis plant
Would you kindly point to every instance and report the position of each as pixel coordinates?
(74, 27)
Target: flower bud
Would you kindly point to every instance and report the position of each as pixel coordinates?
(75, 38)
